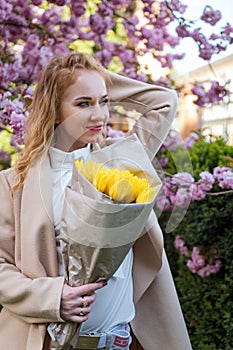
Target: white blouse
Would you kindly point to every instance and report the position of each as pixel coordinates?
(114, 302)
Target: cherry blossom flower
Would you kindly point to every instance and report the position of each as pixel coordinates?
(210, 16)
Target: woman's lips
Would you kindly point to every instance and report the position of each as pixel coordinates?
(96, 128)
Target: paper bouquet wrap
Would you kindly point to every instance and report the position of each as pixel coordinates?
(97, 232)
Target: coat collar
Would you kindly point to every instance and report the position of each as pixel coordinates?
(38, 186)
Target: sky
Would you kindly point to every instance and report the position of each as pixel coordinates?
(194, 11)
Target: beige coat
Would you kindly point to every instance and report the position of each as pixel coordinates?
(30, 288)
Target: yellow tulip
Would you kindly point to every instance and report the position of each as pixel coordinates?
(146, 196)
(101, 179)
(91, 169)
(79, 164)
(122, 191)
(112, 178)
(139, 185)
(121, 185)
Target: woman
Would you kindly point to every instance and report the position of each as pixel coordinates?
(72, 97)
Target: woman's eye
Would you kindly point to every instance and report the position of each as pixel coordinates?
(104, 102)
(82, 104)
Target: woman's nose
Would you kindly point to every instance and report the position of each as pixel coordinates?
(98, 113)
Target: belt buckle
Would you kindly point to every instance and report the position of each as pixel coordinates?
(89, 342)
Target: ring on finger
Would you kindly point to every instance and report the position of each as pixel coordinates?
(84, 302)
(81, 312)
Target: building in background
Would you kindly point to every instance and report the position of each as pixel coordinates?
(216, 119)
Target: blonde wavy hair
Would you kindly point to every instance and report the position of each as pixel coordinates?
(60, 73)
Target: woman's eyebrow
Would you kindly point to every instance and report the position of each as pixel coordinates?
(83, 98)
(88, 98)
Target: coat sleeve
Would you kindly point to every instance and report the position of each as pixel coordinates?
(156, 105)
(32, 300)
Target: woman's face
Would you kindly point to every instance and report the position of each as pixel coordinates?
(84, 112)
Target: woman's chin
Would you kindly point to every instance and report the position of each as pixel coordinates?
(98, 138)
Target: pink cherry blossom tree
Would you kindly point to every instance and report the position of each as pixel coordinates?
(117, 32)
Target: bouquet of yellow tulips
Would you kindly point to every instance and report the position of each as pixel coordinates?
(107, 204)
(121, 185)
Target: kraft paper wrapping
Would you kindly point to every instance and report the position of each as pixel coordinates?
(96, 233)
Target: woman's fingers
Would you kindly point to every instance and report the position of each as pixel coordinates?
(77, 318)
(79, 314)
(90, 287)
(73, 306)
(86, 300)
(81, 294)
(76, 302)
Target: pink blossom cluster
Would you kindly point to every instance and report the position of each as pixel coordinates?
(190, 140)
(173, 10)
(13, 114)
(207, 45)
(163, 161)
(201, 187)
(181, 189)
(210, 16)
(214, 94)
(178, 189)
(224, 176)
(180, 245)
(5, 158)
(202, 265)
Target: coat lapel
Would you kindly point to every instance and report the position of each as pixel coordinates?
(37, 229)
(147, 257)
